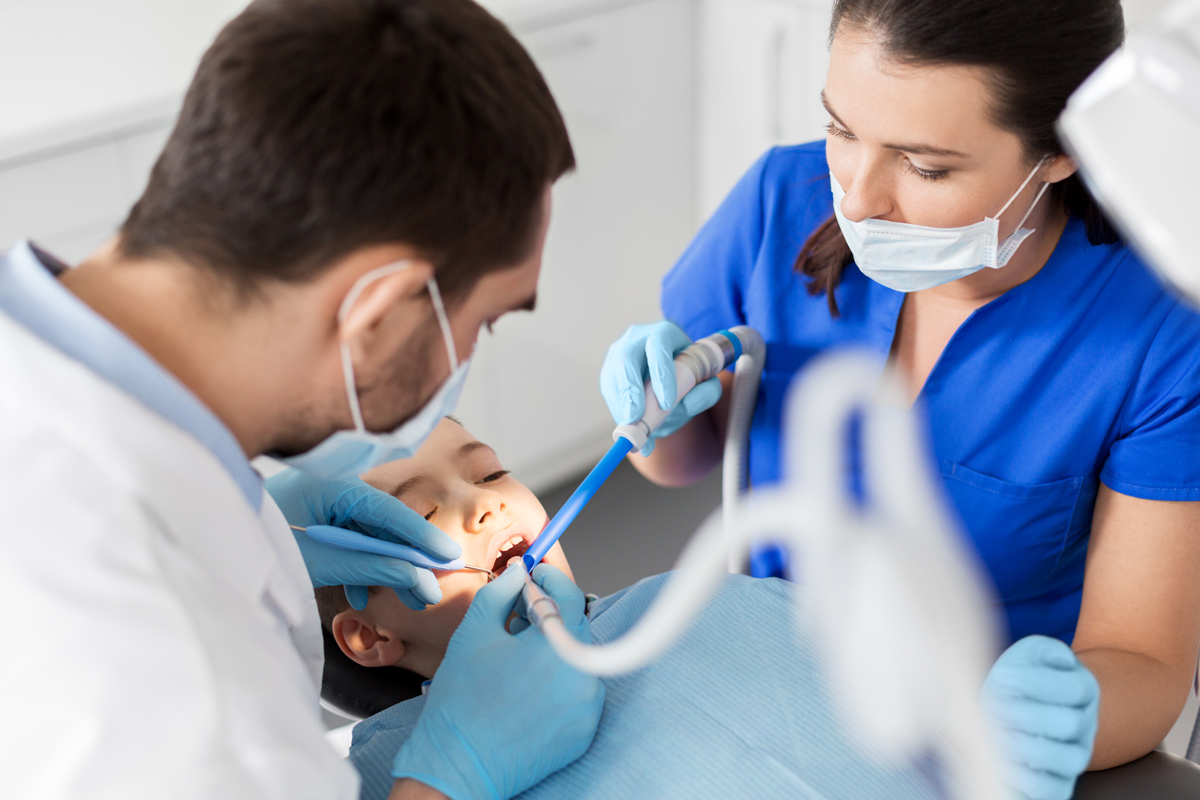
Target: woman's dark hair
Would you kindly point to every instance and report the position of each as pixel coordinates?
(1037, 51)
(314, 128)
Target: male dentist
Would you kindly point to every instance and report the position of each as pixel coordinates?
(353, 190)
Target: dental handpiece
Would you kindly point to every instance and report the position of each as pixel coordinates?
(702, 360)
(539, 606)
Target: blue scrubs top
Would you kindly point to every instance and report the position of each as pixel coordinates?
(1088, 372)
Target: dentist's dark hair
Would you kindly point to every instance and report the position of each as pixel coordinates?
(313, 129)
(1037, 53)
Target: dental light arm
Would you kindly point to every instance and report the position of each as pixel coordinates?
(1148, 188)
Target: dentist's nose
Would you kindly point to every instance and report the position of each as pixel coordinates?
(482, 506)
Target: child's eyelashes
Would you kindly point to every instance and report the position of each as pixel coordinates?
(495, 476)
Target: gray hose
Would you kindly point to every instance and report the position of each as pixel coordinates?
(744, 396)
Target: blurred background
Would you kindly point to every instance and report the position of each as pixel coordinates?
(668, 102)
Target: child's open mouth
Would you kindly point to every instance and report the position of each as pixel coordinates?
(513, 548)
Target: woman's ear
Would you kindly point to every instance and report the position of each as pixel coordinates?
(1060, 168)
(380, 297)
(363, 642)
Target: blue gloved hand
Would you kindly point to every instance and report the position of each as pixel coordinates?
(503, 712)
(648, 352)
(359, 507)
(572, 604)
(1044, 706)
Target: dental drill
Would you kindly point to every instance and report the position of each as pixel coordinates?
(739, 347)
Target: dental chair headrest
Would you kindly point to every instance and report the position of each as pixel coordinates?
(358, 691)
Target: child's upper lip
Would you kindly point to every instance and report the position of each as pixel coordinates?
(500, 538)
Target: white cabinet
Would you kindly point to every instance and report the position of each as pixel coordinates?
(623, 78)
(667, 102)
(761, 70)
(72, 198)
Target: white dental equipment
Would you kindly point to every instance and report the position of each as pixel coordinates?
(1133, 129)
(897, 600)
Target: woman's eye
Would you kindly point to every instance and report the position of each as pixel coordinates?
(834, 130)
(929, 175)
(495, 476)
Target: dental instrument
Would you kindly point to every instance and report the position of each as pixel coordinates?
(349, 540)
(702, 360)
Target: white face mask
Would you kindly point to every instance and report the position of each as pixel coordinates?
(909, 258)
(349, 453)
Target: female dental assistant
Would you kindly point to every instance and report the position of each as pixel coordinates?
(941, 226)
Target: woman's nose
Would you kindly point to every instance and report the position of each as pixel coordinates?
(482, 506)
(868, 194)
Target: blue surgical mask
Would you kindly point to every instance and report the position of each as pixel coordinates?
(910, 258)
(352, 452)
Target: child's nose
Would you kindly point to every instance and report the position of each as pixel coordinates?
(483, 506)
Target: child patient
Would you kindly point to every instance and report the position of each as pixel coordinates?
(737, 708)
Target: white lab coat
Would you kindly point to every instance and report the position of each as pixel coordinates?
(161, 639)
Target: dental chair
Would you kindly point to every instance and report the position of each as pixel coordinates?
(1159, 775)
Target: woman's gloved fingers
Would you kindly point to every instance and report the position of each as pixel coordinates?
(1040, 719)
(1072, 688)
(623, 375)
(629, 395)
(702, 398)
(1064, 759)
(664, 342)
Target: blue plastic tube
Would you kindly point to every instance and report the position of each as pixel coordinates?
(575, 503)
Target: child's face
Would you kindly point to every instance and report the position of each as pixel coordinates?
(458, 484)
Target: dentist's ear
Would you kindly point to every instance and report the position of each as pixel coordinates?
(381, 297)
(364, 643)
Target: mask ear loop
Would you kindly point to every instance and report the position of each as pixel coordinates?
(1037, 199)
(443, 319)
(344, 311)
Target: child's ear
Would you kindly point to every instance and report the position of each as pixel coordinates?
(365, 644)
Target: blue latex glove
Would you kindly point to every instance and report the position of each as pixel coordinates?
(1044, 706)
(648, 352)
(503, 712)
(355, 505)
(572, 604)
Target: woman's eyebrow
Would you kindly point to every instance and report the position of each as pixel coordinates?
(915, 149)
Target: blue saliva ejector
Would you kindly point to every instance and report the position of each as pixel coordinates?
(702, 360)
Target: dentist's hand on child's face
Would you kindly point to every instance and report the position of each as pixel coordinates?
(504, 711)
(354, 505)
